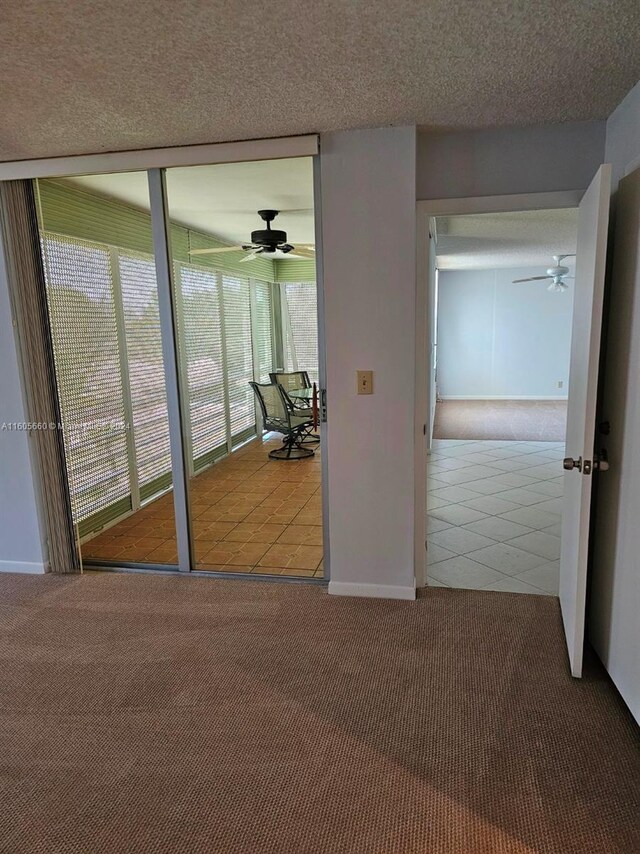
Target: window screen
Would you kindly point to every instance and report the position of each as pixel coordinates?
(237, 338)
(85, 342)
(146, 370)
(301, 342)
(202, 349)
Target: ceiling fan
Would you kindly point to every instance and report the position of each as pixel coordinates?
(264, 242)
(558, 275)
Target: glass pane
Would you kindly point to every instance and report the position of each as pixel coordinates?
(250, 513)
(103, 303)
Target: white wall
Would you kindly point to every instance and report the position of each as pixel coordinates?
(622, 147)
(614, 618)
(500, 340)
(368, 193)
(21, 549)
(541, 159)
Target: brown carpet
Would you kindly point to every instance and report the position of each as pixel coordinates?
(518, 420)
(186, 715)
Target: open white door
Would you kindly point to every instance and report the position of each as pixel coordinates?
(593, 220)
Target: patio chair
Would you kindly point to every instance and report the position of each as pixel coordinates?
(277, 416)
(290, 381)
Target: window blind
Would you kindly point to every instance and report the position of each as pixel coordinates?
(239, 356)
(301, 345)
(146, 371)
(263, 331)
(83, 326)
(202, 350)
(104, 307)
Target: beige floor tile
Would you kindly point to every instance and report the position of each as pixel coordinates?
(256, 532)
(292, 556)
(310, 535)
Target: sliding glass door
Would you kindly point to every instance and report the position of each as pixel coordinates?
(103, 305)
(165, 308)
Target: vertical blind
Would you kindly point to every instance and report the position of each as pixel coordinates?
(107, 379)
(300, 310)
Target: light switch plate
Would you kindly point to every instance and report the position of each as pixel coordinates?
(365, 382)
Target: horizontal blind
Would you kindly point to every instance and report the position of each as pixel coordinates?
(85, 343)
(302, 305)
(201, 347)
(263, 331)
(146, 371)
(239, 354)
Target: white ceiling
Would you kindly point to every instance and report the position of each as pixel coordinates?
(519, 239)
(223, 200)
(89, 77)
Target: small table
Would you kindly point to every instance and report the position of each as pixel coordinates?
(302, 393)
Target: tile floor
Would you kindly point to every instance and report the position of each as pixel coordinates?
(249, 514)
(494, 513)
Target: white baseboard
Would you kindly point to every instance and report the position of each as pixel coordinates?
(500, 397)
(23, 567)
(372, 591)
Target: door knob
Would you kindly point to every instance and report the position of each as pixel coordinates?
(569, 463)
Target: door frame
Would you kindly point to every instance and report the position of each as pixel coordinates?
(154, 162)
(425, 209)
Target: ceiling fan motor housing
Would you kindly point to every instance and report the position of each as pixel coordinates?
(560, 270)
(268, 237)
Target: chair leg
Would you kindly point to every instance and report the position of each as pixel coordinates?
(309, 437)
(292, 448)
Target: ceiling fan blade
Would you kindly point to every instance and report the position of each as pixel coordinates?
(304, 252)
(531, 279)
(251, 255)
(214, 251)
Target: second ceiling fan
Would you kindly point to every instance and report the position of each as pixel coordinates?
(264, 241)
(558, 275)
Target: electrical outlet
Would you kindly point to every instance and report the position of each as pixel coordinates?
(560, 384)
(365, 382)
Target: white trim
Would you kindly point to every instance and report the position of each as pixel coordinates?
(372, 591)
(500, 204)
(158, 158)
(500, 397)
(23, 567)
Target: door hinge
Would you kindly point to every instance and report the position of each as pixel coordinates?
(323, 405)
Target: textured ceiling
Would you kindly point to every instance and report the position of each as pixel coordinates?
(223, 200)
(81, 76)
(522, 239)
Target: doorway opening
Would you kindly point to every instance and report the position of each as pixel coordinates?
(501, 338)
(243, 317)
